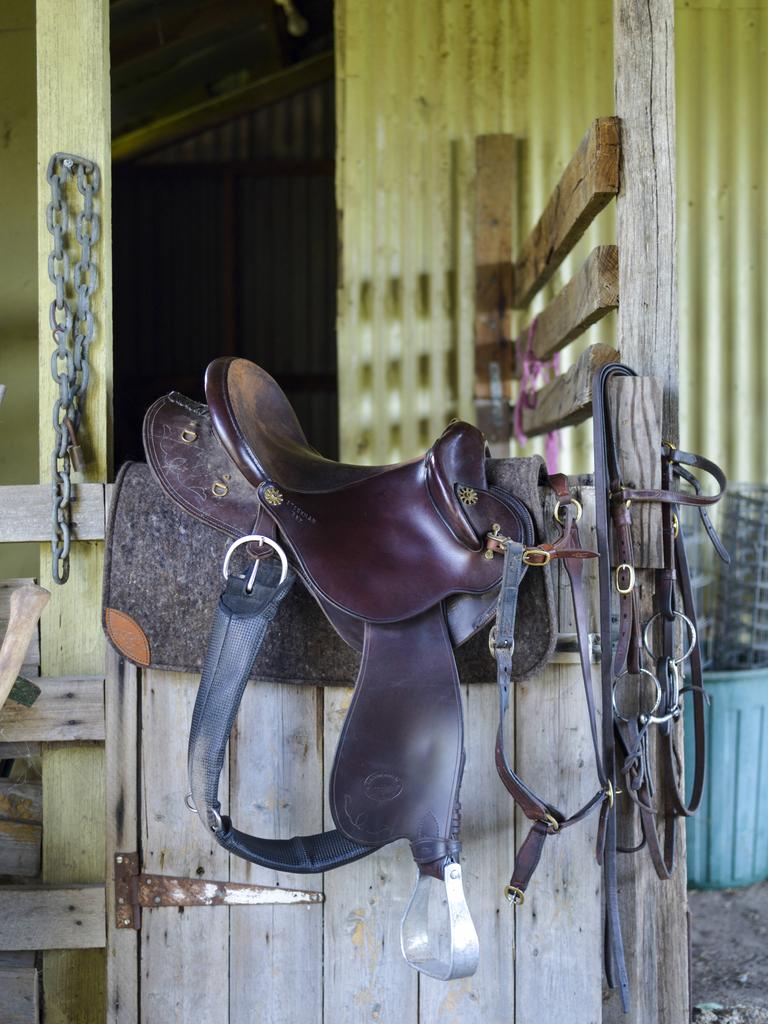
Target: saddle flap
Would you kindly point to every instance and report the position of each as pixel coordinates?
(398, 764)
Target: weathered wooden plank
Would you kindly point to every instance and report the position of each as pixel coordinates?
(591, 293)
(13, 750)
(121, 704)
(496, 163)
(19, 1003)
(634, 409)
(31, 665)
(588, 183)
(488, 843)
(73, 115)
(366, 978)
(68, 709)
(66, 917)
(567, 399)
(25, 512)
(174, 127)
(25, 607)
(20, 848)
(653, 913)
(559, 927)
(173, 986)
(276, 789)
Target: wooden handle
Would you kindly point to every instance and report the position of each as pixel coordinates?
(27, 605)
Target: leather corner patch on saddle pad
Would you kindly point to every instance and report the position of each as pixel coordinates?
(127, 636)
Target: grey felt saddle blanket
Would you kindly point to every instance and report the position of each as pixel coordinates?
(163, 577)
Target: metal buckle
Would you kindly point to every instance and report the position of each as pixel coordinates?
(260, 540)
(531, 553)
(551, 821)
(631, 585)
(561, 504)
(675, 525)
(514, 895)
(493, 647)
(450, 951)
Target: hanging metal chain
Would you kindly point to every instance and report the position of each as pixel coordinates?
(72, 325)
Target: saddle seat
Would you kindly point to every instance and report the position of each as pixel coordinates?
(265, 439)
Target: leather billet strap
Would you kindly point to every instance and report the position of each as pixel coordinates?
(547, 819)
(238, 631)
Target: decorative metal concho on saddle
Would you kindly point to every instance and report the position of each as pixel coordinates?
(406, 563)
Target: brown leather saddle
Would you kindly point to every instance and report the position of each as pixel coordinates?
(406, 562)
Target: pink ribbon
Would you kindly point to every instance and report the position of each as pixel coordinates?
(531, 369)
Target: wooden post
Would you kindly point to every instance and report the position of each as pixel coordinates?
(653, 912)
(73, 115)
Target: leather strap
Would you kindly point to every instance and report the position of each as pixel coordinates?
(547, 819)
(239, 628)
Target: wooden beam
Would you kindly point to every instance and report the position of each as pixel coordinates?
(196, 119)
(654, 913)
(588, 296)
(587, 184)
(68, 710)
(68, 917)
(25, 512)
(73, 115)
(568, 399)
(122, 741)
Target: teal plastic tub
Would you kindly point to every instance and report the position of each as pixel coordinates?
(727, 839)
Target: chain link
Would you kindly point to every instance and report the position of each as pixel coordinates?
(73, 328)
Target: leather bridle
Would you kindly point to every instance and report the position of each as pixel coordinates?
(623, 748)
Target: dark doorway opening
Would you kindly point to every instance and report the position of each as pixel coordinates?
(225, 243)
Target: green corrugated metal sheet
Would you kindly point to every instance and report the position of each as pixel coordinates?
(417, 83)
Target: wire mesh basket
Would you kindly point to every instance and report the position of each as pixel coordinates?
(704, 580)
(741, 610)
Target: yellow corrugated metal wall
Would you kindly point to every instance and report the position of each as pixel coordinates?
(416, 83)
(722, 153)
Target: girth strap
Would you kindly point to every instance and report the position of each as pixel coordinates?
(239, 628)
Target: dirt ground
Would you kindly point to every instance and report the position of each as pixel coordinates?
(730, 955)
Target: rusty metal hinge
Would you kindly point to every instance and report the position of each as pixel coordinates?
(135, 890)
